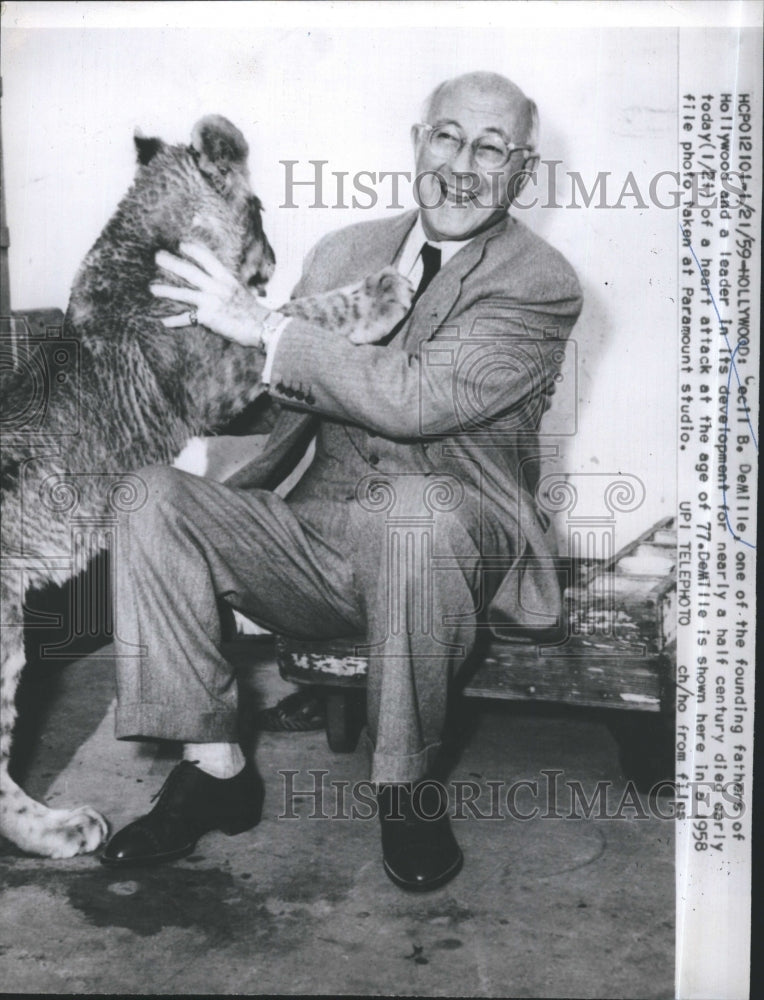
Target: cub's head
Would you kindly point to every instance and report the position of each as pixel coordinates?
(201, 193)
(196, 193)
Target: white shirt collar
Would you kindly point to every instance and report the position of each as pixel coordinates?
(413, 246)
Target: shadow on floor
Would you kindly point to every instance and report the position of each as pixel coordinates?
(546, 906)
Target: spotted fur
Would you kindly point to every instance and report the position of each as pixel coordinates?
(130, 393)
(365, 312)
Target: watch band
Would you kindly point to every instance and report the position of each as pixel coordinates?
(269, 327)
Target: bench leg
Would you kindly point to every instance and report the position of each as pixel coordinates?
(344, 718)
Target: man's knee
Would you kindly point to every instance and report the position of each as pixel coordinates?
(163, 489)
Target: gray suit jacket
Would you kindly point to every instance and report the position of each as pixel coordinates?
(461, 389)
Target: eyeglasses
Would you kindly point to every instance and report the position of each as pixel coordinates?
(490, 152)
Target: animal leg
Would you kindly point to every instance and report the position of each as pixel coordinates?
(390, 295)
(52, 833)
(365, 311)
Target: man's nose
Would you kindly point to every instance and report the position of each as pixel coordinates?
(461, 167)
(463, 161)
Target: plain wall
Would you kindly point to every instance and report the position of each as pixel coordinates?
(607, 100)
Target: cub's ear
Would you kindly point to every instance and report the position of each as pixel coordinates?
(219, 146)
(146, 148)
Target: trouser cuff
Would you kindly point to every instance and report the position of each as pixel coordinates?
(160, 722)
(386, 767)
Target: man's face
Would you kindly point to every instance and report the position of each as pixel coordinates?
(458, 196)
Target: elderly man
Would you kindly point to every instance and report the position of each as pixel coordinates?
(415, 524)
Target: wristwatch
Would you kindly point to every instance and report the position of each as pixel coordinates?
(269, 327)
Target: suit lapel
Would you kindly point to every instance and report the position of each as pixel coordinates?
(443, 292)
(388, 244)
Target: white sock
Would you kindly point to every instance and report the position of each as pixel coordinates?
(221, 760)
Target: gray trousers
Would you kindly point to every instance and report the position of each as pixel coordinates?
(398, 560)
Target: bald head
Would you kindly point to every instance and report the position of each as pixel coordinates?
(488, 91)
(474, 152)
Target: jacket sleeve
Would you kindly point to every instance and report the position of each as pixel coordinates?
(495, 358)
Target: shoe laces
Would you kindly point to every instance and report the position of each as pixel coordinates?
(170, 777)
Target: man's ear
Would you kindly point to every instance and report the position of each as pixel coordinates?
(521, 178)
(219, 147)
(146, 148)
(415, 134)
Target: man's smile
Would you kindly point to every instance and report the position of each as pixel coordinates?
(459, 197)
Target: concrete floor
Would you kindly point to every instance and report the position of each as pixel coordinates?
(543, 908)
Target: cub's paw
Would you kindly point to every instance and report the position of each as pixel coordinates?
(64, 833)
(389, 289)
(389, 296)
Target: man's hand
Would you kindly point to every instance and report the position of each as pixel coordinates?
(217, 299)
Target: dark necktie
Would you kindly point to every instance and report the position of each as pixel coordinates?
(430, 266)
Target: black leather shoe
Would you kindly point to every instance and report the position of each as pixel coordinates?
(419, 853)
(190, 803)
